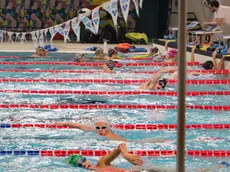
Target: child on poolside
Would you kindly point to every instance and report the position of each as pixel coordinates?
(40, 52)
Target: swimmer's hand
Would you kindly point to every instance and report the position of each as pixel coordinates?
(134, 159)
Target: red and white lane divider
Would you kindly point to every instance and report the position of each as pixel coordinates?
(216, 72)
(91, 92)
(149, 153)
(95, 63)
(110, 81)
(128, 58)
(108, 106)
(126, 126)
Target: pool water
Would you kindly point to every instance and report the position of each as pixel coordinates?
(65, 139)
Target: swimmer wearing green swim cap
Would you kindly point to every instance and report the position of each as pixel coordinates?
(103, 163)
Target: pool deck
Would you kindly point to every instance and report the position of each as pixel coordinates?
(74, 47)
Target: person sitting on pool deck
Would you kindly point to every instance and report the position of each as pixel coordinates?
(101, 127)
(154, 83)
(104, 163)
(40, 52)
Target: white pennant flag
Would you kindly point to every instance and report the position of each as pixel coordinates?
(141, 4)
(34, 39)
(10, 36)
(23, 38)
(1, 35)
(88, 24)
(60, 29)
(66, 31)
(53, 32)
(41, 39)
(17, 36)
(96, 19)
(45, 31)
(76, 28)
(125, 8)
(114, 11)
(107, 7)
(136, 6)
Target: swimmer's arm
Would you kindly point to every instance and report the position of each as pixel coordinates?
(149, 84)
(166, 45)
(74, 125)
(134, 159)
(165, 70)
(155, 78)
(211, 168)
(214, 58)
(98, 58)
(107, 159)
(193, 54)
(106, 69)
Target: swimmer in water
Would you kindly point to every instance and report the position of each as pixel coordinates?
(154, 83)
(102, 128)
(107, 67)
(40, 52)
(80, 58)
(112, 54)
(208, 65)
(104, 163)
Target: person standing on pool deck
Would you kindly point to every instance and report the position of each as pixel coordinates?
(102, 127)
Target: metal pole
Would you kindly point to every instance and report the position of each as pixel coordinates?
(182, 21)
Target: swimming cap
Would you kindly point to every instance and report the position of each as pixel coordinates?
(172, 53)
(78, 57)
(112, 52)
(163, 81)
(154, 50)
(208, 65)
(98, 50)
(73, 159)
(40, 48)
(225, 163)
(102, 119)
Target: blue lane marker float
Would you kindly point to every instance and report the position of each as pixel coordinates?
(5, 125)
(33, 153)
(20, 152)
(5, 152)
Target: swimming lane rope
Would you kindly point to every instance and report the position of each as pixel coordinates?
(91, 92)
(126, 126)
(18, 57)
(149, 153)
(112, 81)
(217, 72)
(109, 106)
(95, 63)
